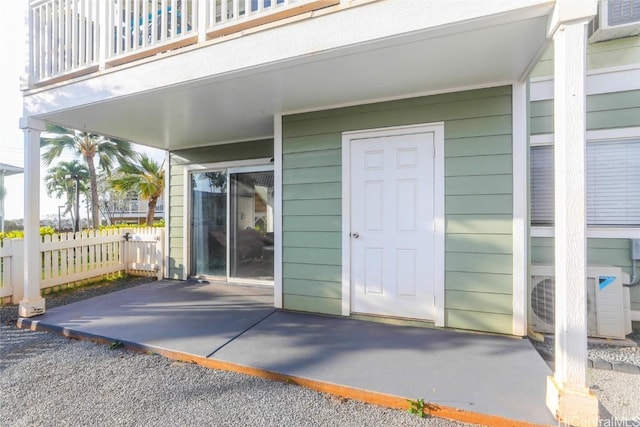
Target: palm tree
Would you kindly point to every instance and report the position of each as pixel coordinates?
(146, 177)
(60, 183)
(88, 145)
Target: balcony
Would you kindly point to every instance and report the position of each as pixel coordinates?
(218, 79)
(70, 38)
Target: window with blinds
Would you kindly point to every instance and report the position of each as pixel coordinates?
(613, 184)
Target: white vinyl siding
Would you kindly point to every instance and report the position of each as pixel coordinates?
(613, 183)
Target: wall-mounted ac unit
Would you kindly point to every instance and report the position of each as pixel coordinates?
(615, 19)
(608, 304)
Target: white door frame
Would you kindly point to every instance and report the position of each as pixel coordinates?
(438, 226)
(234, 166)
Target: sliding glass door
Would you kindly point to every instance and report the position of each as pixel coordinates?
(209, 224)
(251, 214)
(232, 224)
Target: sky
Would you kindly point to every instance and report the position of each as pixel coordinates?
(13, 52)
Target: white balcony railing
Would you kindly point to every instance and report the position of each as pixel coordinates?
(75, 37)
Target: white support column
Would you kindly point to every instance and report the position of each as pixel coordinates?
(568, 396)
(32, 303)
(277, 212)
(520, 112)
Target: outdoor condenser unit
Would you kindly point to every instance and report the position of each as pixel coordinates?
(615, 19)
(608, 301)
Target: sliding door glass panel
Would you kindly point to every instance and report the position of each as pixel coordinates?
(251, 212)
(209, 224)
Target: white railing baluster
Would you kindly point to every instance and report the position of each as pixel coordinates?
(144, 25)
(82, 32)
(52, 34)
(164, 22)
(173, 25)
(73, 20)
(223, 11)
(153, 37)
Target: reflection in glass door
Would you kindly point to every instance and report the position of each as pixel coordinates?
(209, 224)
(232, 224)
(251, 227)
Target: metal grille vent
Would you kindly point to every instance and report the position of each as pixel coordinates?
(543, 300)
(621, 12)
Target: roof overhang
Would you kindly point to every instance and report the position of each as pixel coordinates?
(6, 170)
(229, 90)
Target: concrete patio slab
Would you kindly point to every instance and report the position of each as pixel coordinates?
(188, 317)
(492, 375)
(235, 327)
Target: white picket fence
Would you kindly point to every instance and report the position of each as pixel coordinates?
(72, 258)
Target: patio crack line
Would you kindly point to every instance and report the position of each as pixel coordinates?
(240, 334)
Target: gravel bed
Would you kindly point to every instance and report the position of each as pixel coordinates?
(614, 356)
(49, 380)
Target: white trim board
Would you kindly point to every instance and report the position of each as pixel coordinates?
(439, 238)
(520, 208)
(597, 82)
(591, 135)
(593, 232)
(277, 212)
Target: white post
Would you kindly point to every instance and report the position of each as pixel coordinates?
(568, 395)
(104, 22)
(2, 200)
(520, 112)
(201, 19)
(32, 303)
(277, 210)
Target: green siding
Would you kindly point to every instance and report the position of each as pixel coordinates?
(175, 268)
(312, 303)
(479, 243)
(469, 185)
(224, 152)
(604, 111)
(599, 251)
(471, 301)
(482, 224)
(479, 321)
(177, 192)
(612, 53)
(478, 202)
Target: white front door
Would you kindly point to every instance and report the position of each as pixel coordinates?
(392, 225)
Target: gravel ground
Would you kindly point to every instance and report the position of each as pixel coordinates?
(616, 354)
(50, 380)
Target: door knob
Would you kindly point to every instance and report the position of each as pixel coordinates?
(355, 235)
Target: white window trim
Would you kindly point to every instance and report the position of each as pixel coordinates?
(593, 232)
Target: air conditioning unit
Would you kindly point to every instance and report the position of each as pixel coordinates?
(608, 301)
(615, 19)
